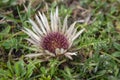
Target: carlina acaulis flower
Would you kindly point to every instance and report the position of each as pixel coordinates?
(52, 39)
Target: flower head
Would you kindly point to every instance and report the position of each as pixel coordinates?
(52, 40)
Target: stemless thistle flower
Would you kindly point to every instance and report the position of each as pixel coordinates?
(54, 40)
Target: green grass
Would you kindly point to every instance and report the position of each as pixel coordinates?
(98, 47)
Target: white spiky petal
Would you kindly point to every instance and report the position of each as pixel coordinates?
(42, 28)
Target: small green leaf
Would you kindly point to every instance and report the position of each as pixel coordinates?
(117, 46)
(29, 71)
(6, 30)
(19, 68)
(43, 70)
(11, 43)
(10, 68)
(116, 54)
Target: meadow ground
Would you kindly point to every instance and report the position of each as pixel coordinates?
(98, 48)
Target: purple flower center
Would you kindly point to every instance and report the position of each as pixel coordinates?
(54, 40)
